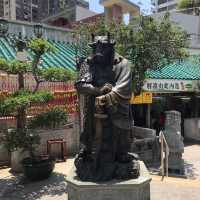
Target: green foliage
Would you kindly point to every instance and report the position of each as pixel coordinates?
(3, 65)
(27, 140)
(188, 4)
(147, 43)
(22, 98)
(57, 74)
(195, 59)
(40, 46)
(184, 4)
(50, 119)
(14, 67)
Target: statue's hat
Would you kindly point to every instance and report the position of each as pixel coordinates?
(101, 39)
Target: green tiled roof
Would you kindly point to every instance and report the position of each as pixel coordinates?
(64, 57)
(65, 54)
(185, 70)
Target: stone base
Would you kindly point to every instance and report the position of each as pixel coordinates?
(176, 162)
(134, 189)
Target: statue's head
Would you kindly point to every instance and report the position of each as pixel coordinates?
(103, 49)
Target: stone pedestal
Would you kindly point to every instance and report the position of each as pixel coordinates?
(134, 189)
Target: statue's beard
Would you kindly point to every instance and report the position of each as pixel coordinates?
(101, 59)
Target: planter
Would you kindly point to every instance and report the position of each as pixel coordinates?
(38, 169)
(4, 154)
(16, 159)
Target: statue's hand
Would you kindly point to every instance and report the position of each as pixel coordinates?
(85, 88)
(100, 102)
(106, 88)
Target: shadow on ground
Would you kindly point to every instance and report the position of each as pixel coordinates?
(190, 171)
(18, 188)
(190, 142)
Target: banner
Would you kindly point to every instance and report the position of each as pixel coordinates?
(169, 85)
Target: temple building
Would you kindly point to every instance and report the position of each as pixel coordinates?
(115, 9)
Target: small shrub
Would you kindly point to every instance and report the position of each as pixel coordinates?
(50, 119)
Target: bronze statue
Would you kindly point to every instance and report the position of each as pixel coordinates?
(105, 83)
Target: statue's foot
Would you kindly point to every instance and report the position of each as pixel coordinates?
(86, 170)
(127, 157)
(129, 170)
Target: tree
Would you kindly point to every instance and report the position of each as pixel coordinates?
(21, 99)
(189, 6)
(147, 43)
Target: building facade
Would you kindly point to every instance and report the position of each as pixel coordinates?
(8, 9)
(164, 5)
(35, 10)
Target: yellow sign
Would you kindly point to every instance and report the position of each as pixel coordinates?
(143, 98)
(147, 97)
(136, 99)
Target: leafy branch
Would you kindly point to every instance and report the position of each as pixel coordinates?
(22, 98)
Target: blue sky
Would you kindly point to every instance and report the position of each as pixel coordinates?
(144, 4)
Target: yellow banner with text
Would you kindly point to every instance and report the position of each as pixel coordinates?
(143, 98)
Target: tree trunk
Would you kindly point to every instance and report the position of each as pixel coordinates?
(21, 111)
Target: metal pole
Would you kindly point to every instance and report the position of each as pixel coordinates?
(148, 115)
(162, 159)
(166, 155)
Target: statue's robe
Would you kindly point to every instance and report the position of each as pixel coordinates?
(118, 109)
(121, 93)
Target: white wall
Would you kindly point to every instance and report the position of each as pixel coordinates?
(192, 128)
(50, 32)
(190, 23)
(82, 13)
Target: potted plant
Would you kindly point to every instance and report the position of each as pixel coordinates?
(24, 138)
(34, 167)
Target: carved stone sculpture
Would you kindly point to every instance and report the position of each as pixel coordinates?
(104, 82)
(174, 139)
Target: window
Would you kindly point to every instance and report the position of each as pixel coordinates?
(163, 1)
(162, 9)
(34, 1)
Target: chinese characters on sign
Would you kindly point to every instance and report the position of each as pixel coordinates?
(164, 85)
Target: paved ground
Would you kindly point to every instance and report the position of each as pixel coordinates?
(55, 188)
(192, 161)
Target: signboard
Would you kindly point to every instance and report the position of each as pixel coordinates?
(143, 98)
(147, 97)
(168, 85)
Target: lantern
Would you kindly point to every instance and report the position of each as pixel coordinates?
(3, 26)
(38, 30)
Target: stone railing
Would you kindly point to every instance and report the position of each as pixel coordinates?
(145, 144)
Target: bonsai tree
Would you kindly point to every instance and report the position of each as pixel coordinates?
(18, 102)
(53, 118)
(148, 44)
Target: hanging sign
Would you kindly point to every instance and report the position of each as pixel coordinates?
(147, 97)
(168, 85)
